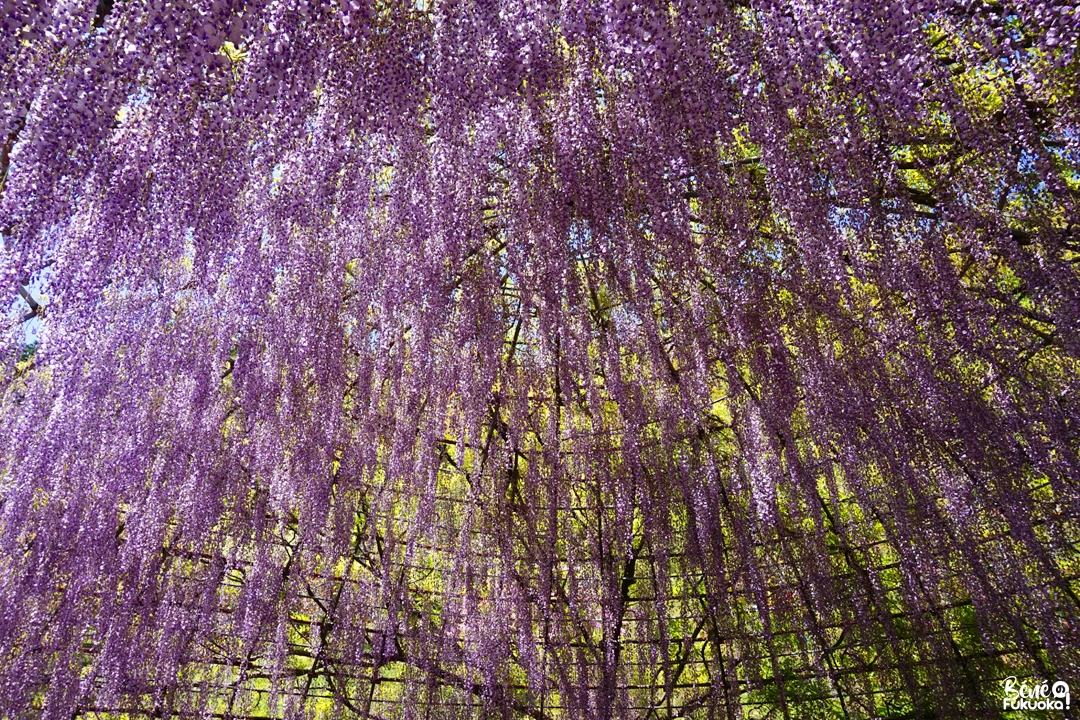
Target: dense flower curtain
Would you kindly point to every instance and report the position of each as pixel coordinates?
(571, 359)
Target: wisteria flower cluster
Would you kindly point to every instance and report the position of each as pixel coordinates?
(557, 359)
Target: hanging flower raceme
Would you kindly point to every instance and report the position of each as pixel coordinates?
(566, 359)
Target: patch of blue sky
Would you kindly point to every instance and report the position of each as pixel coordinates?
(21, 311)
(1026, 162)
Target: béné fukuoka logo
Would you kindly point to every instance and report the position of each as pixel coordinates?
(1032, 694)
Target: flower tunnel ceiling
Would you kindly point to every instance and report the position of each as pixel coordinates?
(541, 360)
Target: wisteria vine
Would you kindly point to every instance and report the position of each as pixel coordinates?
(552, 359)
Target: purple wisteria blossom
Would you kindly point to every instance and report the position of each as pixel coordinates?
(555, 359)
